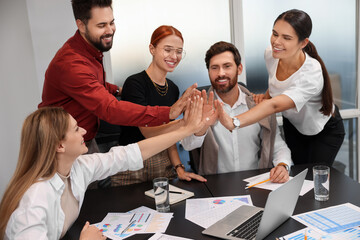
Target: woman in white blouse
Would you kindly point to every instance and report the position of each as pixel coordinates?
(299, 87)
(47, 190)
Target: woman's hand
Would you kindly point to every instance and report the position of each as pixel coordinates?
(258, 98)
(188, 176)
(91, 233)
(224, 118)
(210, 114)
(179, 106)
(194, 109)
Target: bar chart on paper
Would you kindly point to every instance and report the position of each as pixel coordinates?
(332, 219)
(348, 234)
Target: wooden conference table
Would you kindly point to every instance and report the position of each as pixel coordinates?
(98, 202)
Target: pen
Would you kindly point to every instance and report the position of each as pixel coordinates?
(128, 226)
(176, 192)
(257, 183)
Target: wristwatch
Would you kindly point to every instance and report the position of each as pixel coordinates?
(285, 166)
(236, 122)
(179, 165)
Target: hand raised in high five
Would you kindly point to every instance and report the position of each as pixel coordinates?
(210, 114)
(194, 121)
(224, 118)
(179, 106)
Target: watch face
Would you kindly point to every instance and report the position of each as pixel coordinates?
(236, 122)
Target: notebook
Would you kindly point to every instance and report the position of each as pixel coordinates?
(178, 195)
(250, 222)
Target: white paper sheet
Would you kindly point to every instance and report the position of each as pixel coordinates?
(307, 186)
(332, 219)
(161, 236)
(206, 211)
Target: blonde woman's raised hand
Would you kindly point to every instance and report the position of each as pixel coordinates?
(193, 120)
(91, 233)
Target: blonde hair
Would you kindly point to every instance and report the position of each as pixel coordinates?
(42, 131)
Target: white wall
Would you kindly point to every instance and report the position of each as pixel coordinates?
(19, 92)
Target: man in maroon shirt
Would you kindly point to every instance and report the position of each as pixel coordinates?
(75, 78)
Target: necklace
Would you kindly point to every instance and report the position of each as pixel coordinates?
(162, 90)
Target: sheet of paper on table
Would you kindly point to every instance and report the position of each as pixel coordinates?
(207, 211)
(307, 186)
(331, 219)
(161, 236)
(348, 234)
(122, 225)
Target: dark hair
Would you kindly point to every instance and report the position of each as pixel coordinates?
(221, 47)
(82, 8)
(162, 32)
(301, 23)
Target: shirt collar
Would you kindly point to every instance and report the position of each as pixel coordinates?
(241, 98)
(92, 50)
(57, 182)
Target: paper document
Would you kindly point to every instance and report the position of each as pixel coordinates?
(348, 234)
(332, 219)
(123, 225)
(307, 185)
(177, 195)
(207, 211)
(161, 236)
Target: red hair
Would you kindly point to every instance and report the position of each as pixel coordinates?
(162, 32)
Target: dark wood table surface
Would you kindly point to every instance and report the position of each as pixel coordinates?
(99, 202)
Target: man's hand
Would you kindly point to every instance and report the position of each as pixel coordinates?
(279, 174)
(179, 107)
(224, 118)
(91, 233)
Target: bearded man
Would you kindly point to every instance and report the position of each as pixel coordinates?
(219, 150)
(75, 78)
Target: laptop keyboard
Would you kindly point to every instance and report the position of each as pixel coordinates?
(248, 229)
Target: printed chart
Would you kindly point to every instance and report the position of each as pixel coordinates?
(206, 211)
(332, 219)
(348, 234)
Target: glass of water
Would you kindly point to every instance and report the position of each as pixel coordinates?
(161, 192)
(321, 176)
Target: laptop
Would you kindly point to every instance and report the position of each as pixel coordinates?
(250, 222)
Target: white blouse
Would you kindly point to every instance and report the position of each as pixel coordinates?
(39, 214)
(304, 87)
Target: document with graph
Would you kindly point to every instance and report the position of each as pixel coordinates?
(332, 219)
(310, 234)
(207, 211)
(123, 225)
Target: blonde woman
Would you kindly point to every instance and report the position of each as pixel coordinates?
(47, 190)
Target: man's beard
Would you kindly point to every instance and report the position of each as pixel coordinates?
(98, 43)
(220, 89)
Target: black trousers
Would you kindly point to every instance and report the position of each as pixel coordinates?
(320, 148)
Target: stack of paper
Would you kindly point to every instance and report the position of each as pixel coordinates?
(175, 194)
(140, 220)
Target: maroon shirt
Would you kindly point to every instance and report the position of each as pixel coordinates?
(75, 80)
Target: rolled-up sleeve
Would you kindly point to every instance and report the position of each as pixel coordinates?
(282, 153)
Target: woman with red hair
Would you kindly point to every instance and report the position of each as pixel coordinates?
(151, 87)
